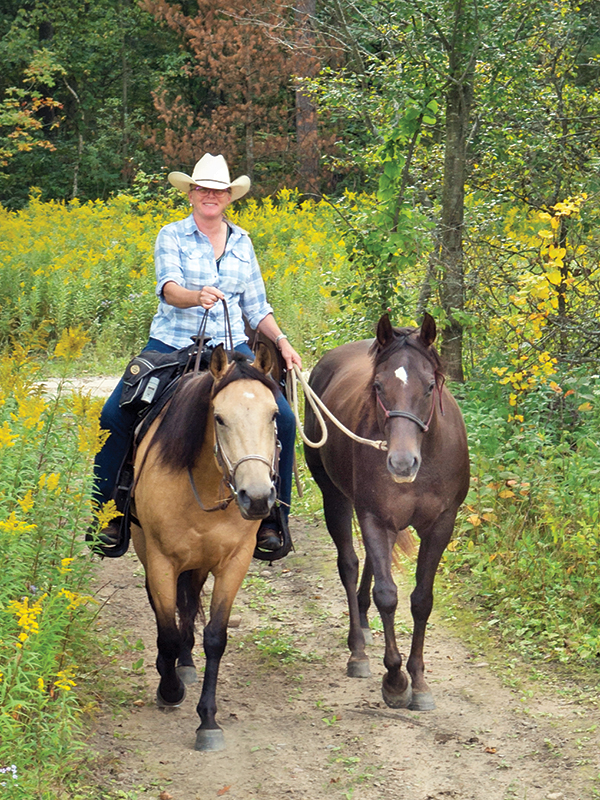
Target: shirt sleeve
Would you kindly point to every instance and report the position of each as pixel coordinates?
(253, 300)
(167, 260)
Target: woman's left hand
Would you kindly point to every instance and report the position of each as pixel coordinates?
(290, 356)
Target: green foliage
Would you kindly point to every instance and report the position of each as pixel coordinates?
(46, 610)
(526, 547)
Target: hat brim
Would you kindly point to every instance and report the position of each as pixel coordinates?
(239, 187)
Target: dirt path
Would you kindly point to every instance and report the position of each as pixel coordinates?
(305, 730)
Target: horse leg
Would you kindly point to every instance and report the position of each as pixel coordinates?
(209, 736)
(364, 599)
(188, 603)
(379, 541)
(433, 544)
(338, 518)
(161, 583)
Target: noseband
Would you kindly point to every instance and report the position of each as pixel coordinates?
(230, 469)
(439, 383)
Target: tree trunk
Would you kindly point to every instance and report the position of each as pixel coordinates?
(452, 289)
(306, 112)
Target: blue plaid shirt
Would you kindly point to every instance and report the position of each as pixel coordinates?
(185, 255)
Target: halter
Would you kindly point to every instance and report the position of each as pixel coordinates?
(439, 383)
(230, 469)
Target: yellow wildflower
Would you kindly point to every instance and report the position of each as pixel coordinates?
(26, 502)
(71, 343)
(7, 439)
(30, 411)
(65, 565)
(26, 616)
(14, 525)
(52, 482)
(64, 679)
(107, 513)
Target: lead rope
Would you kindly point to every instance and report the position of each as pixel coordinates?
(316, 403)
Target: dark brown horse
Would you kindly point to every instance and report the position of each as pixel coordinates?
(205, 477)
(389, 387)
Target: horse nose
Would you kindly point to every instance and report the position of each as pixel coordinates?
(256, 503)
(403, 467)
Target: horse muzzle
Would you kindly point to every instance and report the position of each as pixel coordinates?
(255, 503)
(403, 468)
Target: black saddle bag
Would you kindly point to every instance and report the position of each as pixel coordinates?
(148, 375)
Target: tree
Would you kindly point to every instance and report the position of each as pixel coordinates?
(106, 56)
(232, 91)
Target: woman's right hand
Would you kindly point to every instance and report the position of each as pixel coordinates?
(208, 296)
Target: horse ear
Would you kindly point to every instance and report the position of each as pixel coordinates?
(385, 332)
(218, 362)
(428, 330)
(262, 358)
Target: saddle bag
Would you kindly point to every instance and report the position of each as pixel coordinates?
(147, 376)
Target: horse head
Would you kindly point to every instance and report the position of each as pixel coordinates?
(407, 375)
(244, 412)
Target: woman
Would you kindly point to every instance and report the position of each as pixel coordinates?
(200, 261)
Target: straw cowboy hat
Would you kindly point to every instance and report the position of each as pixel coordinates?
(212, 173)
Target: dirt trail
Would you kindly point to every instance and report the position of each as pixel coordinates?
(305, 730)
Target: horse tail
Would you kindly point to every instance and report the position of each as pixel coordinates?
(405, 542)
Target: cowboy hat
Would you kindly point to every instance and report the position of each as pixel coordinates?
(211, 172)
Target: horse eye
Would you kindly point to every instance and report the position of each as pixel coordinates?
(431, 387)
(377, 386)
(219, 419)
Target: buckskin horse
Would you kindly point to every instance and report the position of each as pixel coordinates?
(394, 386)
(218, 431)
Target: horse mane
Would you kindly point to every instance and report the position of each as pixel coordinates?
(405, 337)
(180, 435)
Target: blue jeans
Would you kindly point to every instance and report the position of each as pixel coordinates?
(121, 421)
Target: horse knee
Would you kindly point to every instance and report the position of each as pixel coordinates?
(421, 604)
(215, 640)
(386, 599)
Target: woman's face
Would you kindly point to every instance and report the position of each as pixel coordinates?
(209, 203)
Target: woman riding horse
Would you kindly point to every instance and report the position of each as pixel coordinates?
(200, 261)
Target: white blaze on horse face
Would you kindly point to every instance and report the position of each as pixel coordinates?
(401, 375)
(249, 395)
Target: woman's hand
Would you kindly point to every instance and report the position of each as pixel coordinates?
(180, 297)
(290, 356)
(208, 296)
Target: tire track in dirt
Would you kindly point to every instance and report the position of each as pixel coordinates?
(304, 730)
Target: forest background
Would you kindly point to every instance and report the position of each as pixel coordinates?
(413, 155)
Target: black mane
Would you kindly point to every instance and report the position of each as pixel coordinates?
(180, 435)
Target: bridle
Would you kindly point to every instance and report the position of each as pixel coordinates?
(390, 413)
(230, 469)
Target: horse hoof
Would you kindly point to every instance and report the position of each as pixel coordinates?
(358, 669)
(162, 703)
(187, 674)
(422, 701)
(209, 741)
(368, 634)
(395, 700)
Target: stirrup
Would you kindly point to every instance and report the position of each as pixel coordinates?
(283, 529)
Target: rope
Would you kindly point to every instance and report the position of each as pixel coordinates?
(316, 403)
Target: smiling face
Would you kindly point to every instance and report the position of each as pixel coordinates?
(209, 204)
